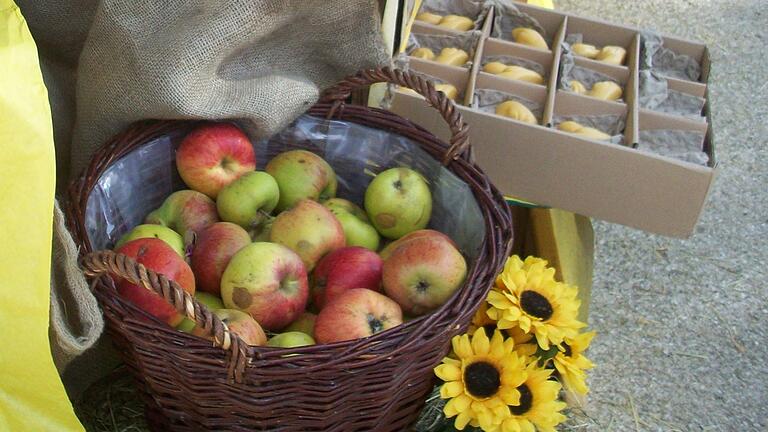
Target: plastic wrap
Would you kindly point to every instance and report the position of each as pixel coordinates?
(139, 182)
(679, 144)
(664, 61)
(655, 94)
(611, 124)
(468, 8)
(486, 101)
(508, 17)
(467, 41)
(517, 61)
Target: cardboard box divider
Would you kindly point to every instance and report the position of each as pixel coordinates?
(543, 165)
(456, 75)
(494, 47)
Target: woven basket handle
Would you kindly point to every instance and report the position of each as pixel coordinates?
(121, 266)
(459, 130)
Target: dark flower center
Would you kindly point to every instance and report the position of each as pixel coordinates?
(482, 379)
(536, 305)
(567, 351)
(526, 400)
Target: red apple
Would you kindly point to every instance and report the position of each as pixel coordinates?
(214, 247)
(354, 314)
(309, 229)
(186, 212)
(344, 269)
(421, 274)
(213, 155)
(239, 323)
(387, 251)
(156, 255)
(267, 280)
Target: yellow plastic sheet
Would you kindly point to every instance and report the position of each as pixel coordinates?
(32, 397)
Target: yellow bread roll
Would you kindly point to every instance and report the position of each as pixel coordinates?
(577, 87)
(522, 74)
(449, 90)
(456, 22)
(494, 67)
(452, 56)
(423, 53)
(585, 50)
(612, 54)
(516, 110)
(429, 18)
(605, 90)
(530, 37)
(585, 131)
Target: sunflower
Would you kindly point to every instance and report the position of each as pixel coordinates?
(527, 295)
(482, 381)
(482, 320)
(539, 408)
(524, 343)
(570, 363)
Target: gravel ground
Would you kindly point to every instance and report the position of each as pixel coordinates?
(682, 324)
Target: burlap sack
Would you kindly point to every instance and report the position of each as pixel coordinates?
(109, 63)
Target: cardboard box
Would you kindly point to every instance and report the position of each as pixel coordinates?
(541, 164)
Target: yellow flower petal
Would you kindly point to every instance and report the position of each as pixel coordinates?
(480, 343)
(462, 420)
(457, 405)
(461, 346)
(451, 389)
(448, 372)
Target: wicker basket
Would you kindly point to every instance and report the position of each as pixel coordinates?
(377, 383)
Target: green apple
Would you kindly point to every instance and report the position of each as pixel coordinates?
(165, 234)
(301, 174)
(305, 324)
(186, 211)
(212, 302)
(291, 339)
(248, 200)
(398, 201)
(357, 228)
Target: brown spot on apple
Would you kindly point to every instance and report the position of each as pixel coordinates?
(142, 251)
(304, 245)
(242, 297)
(386, 220)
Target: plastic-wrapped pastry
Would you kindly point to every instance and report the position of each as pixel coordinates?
(585, 50)
(530, 37)
(612, 55)
(577, 87)
(516, 110)
(494, 67)
(423, 53)
(585, 131)
(429, 18)
(456, 22)
(449, 90)
(452, 56)
(605, 90)
(522, 74)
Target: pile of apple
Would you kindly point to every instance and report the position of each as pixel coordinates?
(276, 250)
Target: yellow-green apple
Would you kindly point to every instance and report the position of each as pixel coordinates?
(301, 174)
(358, 230)
(213, 249)
(344, 269)
(213, 155)
(387, 251)
(398, 201)
(156, 255)
(212, 302)
(186, 212)
(421, 274)
(165, 234)
(249, 200)
(305, 323)
(291, 339)
(356, 313)
(309, 229)
(267, 280)
(239, 323)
